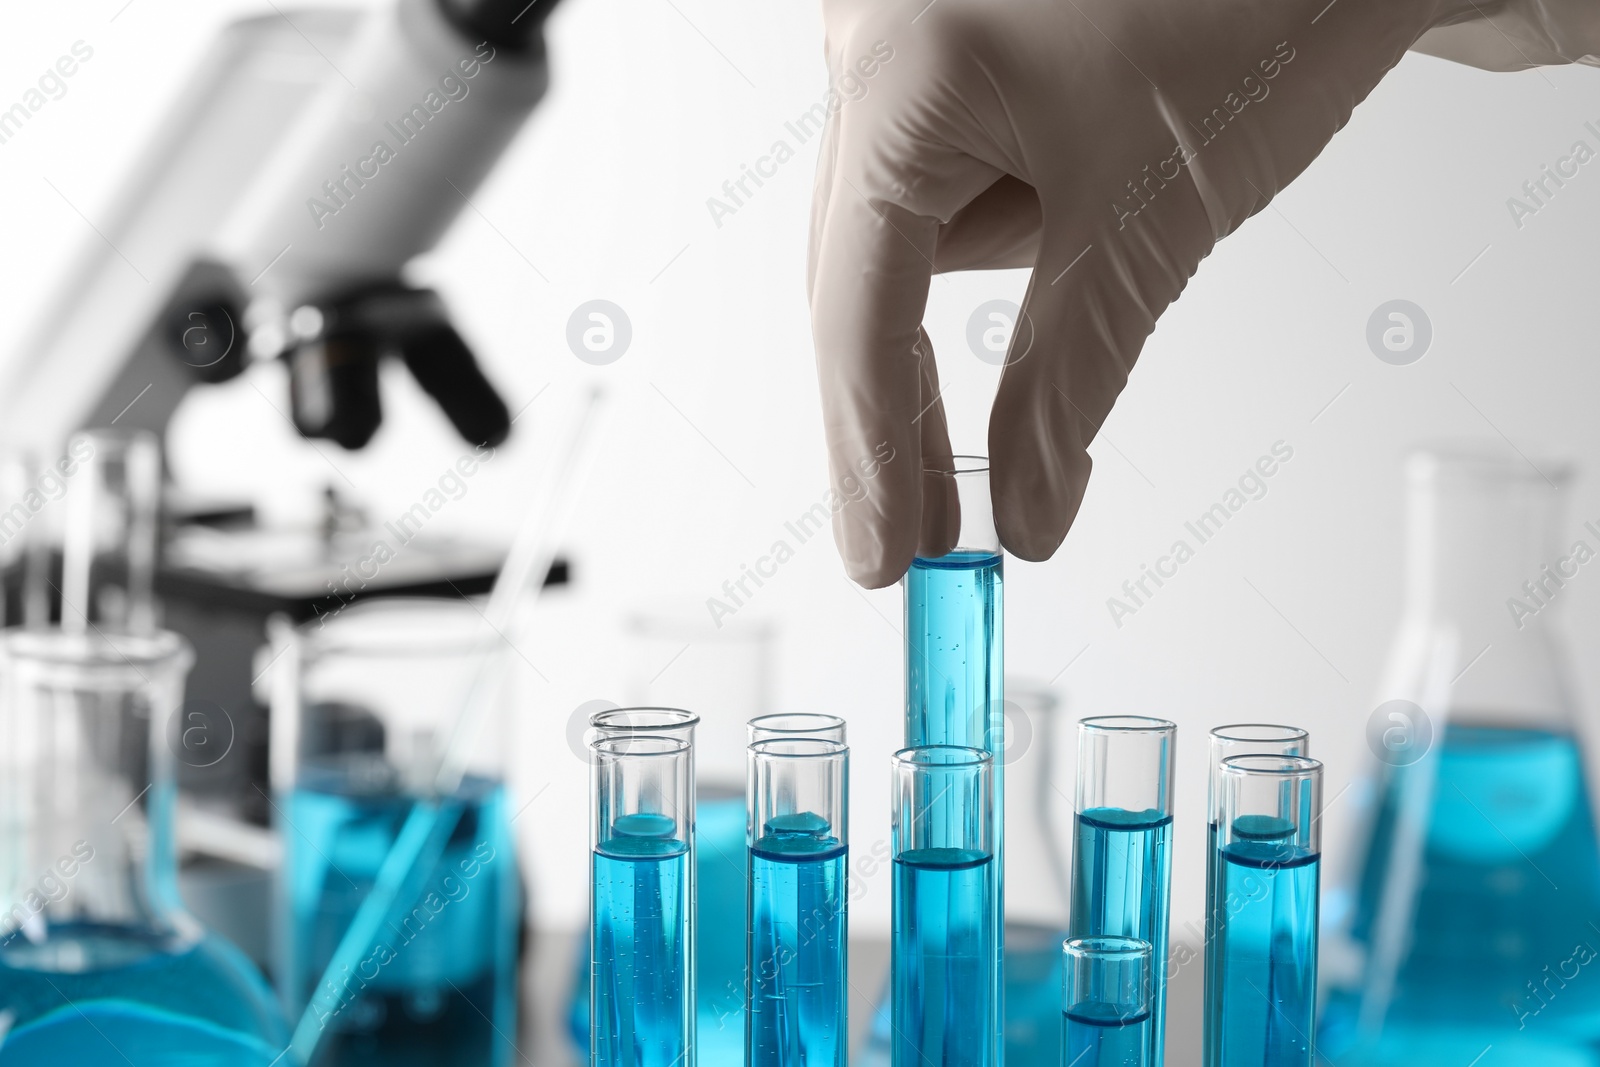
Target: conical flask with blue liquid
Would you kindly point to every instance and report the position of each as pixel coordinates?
(1471, 932)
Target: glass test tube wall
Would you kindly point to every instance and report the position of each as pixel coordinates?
(795, 1011)
(654, 722)
(1122, 852)
(641, 997)
(113, 514)
(943, 950)
(1265, 1008)
(1239, 739)
(1105, 1002)
(955, 692)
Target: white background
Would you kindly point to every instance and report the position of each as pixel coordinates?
(713, 441)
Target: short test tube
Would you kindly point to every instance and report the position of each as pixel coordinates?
(795, 1011)
(1122, 850)
(943, 954)
(641, 997)
(1105, 1002)
(1270, 837)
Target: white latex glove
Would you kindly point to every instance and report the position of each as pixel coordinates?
(1109, 144)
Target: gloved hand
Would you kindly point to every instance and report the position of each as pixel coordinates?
(1109, 144)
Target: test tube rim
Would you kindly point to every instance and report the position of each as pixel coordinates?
(688, 721)
(1113, 947)
(760, 749)
(836, 722)
(956, 464)
(606, 747)
(1250, 764)
(1286, 733)
(1147, 724)
(915, 756)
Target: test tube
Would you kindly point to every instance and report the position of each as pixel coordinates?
(943, 956)
(796, 724)
(680, 724)
(109, 553)
(954, 627)
(1105, 1002)
(1237, 739)
(1265, 1008)
(795, 1007)
(641, 1006)
(1122, 851)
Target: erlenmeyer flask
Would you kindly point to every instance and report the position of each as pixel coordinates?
(99, 961)
(1475, 915)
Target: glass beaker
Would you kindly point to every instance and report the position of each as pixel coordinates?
(1475, 912)
(97, 955)
(363, 705)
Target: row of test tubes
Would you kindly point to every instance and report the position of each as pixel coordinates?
(1261, 890)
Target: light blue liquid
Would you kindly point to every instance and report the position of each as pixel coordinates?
(90, 995)
(1265, 1009)
(954, 674)
(1094, 1034)
(942, 958)
(1033, 995)
(720, 877)
(955, 691)
(441, 983)
(1121, 887)
(798, 901)
(1507, 901)
(721, 869)
(639, 946)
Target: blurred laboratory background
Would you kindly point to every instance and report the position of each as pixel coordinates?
(1423, 282)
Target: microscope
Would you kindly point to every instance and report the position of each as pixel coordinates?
(311, 155)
